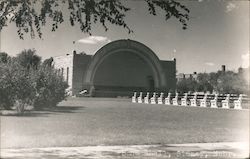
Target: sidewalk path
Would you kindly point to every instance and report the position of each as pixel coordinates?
(225, 150)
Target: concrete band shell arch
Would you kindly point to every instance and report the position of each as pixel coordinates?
(131, 46)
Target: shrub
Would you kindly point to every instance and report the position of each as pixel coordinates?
(50, 87)
(32, 84)
(6, 100)
(16, 87)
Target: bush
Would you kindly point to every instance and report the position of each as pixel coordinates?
(50, 87)
(16, 86)
(38, 85)
(6, 100)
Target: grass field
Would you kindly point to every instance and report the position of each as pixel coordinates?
(104, 121)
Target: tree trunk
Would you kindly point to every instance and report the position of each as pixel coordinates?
(20, 107)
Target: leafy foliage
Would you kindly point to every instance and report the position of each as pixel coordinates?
(48, 62)
(186, 85)
(50, 87)
(222, 82)
(25, 81)
(28, 59)
(6, 86)
(31, 15)
(203, 83)
(16, 86)
(4, 57)
(231, 82)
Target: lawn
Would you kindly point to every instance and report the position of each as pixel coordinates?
(105, 121)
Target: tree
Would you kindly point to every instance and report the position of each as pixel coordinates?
(220, 81)
(186, 85)
(25, 81)
(16, 88)
(204, 83)
(227, 82)
(6, 89)
(48, 62)
(4, 57)
(231, 82)
(28, 59)
(23, 88)
(31, 15)
(213, 79)
(50, 87)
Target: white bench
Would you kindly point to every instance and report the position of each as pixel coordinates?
(146, 98)
(213, 102)
(203, 102)
(238, 102)
(139, 98)
(175, 99)
(184, 100)
(160, 99)
(193, 101)
(153, 99)
(134, 98)
(168, 99)
(225, 102)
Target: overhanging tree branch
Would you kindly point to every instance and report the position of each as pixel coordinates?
(31, 15)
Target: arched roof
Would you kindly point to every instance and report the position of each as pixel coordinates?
(132, 46)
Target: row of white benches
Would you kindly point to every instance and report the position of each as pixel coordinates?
(204, 102)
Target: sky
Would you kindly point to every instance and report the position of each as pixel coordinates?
(217, 34)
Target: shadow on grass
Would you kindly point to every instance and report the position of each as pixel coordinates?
(63, 109)
(41, 113)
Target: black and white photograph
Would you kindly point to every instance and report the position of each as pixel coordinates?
(124, 79)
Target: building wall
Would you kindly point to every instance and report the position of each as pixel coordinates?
(64, 65)
(169, 67)
(81, 63)
(182, 76)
